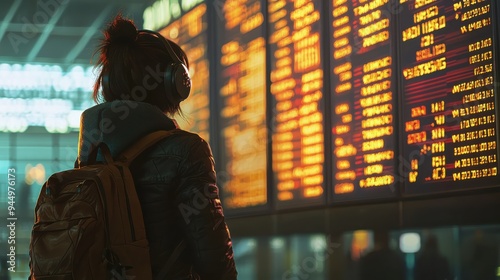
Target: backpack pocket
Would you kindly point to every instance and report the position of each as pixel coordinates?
(65, 249)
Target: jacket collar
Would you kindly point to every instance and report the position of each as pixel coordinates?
(118, 124)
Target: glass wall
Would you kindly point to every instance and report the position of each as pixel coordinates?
(455, 252)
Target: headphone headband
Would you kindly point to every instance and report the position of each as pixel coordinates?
(165, 42)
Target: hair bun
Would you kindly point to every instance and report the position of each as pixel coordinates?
(121, 30)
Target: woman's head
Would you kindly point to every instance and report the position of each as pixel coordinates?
(132, 65)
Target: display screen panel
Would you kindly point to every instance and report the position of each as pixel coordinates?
(411, 99)
(363, 100)
(241, 89)
(447, 78)
(296, 73)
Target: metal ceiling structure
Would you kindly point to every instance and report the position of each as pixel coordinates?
(63, 32)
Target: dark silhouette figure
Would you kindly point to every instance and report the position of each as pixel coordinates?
(382, 263)
(484, 259)
(430, 264)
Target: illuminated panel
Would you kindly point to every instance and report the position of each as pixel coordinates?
(296, 86)
(363, 100)
(242, 89)
(447, 77)
(190, 32)
(34, 95)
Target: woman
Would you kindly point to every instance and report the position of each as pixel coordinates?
(143, 78)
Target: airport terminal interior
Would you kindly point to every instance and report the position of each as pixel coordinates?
(353, 139)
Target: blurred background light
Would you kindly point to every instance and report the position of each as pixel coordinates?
(409, 242)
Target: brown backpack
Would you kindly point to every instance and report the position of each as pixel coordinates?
(89, 223)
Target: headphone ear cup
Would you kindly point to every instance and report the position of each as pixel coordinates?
(177, 82)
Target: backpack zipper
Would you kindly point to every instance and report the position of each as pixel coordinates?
(48, 191)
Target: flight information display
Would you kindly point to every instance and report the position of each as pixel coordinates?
(241, 88)
(447, 80)
(296, 73)
(190, 32)
(363, 100)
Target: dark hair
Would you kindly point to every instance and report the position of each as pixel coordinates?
(126, 57)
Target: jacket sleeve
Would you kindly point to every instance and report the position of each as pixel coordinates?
(202, 219)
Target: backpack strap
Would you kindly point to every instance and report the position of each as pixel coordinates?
(106, 153)
(142, 144)
(127, 157)
(92, 157)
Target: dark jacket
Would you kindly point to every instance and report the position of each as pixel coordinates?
(176, 184)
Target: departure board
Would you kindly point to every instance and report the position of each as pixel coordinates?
(190, 32)
(297, 90)
(447, 77)
(241, 86)
(363, 100)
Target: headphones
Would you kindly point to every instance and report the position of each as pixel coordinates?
(176, 79)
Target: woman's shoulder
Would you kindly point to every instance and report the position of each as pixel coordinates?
(181, 142)
(185, 137)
